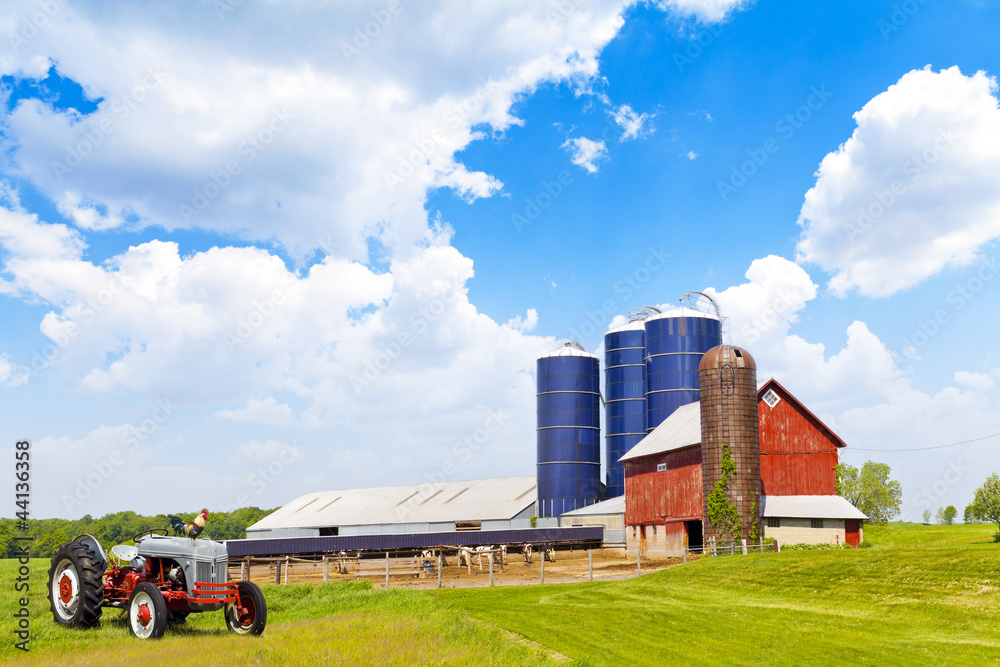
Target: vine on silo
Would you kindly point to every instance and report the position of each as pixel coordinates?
(722, 513)
(754, 533)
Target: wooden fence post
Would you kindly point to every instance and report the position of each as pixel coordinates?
(326, 570)
(287, 566)
(685, 554)
(638, 561)
(439, 569)
(590, 562)
(744, 547)
(277, 572)
(387, 570)
(542, 554)
(491, 568)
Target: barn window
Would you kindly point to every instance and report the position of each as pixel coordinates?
(816, 523)
(633, 531)
(773, 522)
(654, 529)
(661, 467)
(771, 398)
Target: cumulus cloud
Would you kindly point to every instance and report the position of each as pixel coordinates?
(260, 411)
(586, 153)
(705, 10)
(916, 188)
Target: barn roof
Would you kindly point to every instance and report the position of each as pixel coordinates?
(612, 506)
(683, 428)
(679, 430)
(471, 500)
(787, 395)
(810, 507)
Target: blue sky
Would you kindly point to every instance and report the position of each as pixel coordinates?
(215, 269)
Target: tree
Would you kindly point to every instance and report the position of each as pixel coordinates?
(927, 516)
(939, 515)
(986, 504)
(949, 514)
(870, 490)
(969, 515)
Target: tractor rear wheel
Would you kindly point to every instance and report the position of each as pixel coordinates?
(76, 587)
(147, 611)
(251, 616)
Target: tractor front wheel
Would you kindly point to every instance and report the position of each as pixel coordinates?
(249, 616)
(147, 611)
(76, 590)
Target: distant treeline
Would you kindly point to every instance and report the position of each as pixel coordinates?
(118, 528)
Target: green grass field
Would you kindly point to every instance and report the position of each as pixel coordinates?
(921, 595)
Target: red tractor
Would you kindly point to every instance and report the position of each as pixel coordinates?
(159, 579)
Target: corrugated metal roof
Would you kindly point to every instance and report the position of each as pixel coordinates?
(637, 325)
(682, 311)
(611, 506)
(567, 351)
(679, 430)
(472, 500)
(810, 507)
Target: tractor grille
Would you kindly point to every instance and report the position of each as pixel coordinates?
(209, 572)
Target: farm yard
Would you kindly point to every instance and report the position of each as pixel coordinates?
(921, 595)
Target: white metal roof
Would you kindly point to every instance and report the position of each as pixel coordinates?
(682, 311)
(637, 325)
(611, 506)
(810, 507)
(681, 429)
(567, 351)
(472, 500)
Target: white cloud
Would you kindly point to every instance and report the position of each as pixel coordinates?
(978, 382)
(705, 10)
(915, 189)
(586, 153)
(633, 125)
(691, 155)
(260, 411)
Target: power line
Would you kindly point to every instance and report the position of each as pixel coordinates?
(923, 449)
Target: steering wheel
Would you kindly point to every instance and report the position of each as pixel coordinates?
(151, 531)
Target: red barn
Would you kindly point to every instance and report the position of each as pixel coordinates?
(663, 479)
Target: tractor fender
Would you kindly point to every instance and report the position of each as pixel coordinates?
(91, 543)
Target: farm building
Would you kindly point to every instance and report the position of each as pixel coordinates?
(788, 491)
(608, 514)
(484, 504)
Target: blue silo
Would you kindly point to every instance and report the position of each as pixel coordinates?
(625, 399)
(675, 343)
(569, 430)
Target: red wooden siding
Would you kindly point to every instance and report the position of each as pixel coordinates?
(797, 456)
(676, 492)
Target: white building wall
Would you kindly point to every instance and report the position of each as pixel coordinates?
(800, 531)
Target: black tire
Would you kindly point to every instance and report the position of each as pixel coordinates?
(147, 611)
(176, 616)
(76, 586)
(254, 618)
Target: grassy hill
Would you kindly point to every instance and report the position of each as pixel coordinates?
(921, 595)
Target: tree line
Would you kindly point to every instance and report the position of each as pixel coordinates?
(118, 528)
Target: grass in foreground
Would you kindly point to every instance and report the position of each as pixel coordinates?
(930, 605)
(330, 624)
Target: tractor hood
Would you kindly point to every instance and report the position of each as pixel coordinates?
(160, 546)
